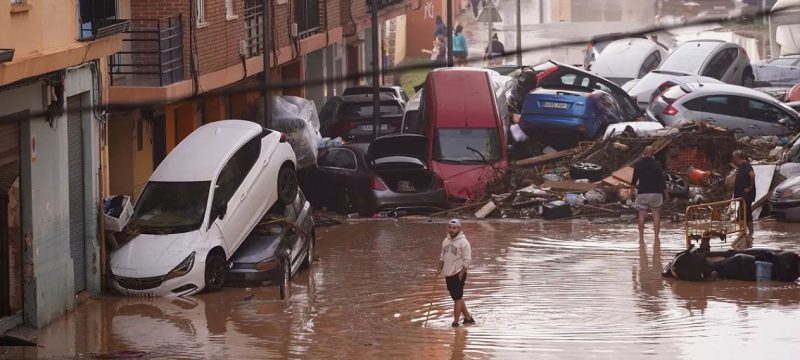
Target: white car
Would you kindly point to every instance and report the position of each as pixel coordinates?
(628, 59)
(199, 206)
(745, 111)
(700, 59)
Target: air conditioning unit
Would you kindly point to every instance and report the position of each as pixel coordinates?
(243, 51)
(293, 32)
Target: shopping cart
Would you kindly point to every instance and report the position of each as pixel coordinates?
(720, 219)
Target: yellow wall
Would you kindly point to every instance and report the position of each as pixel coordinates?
(120, 156)
(45, 24)
(142, 158)
(186, 122)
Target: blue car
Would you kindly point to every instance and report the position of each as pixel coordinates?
(560, 117)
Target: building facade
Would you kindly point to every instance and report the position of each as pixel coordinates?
(52, 124)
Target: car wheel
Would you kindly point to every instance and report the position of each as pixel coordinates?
(676, 184)
(215, 272)
(310, 254)
(748, 79)
(287, 185)
(586, 170)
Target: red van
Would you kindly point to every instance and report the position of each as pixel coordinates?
(466, 135)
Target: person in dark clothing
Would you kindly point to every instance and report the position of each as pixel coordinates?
(441, 28)
(495, 51)
(651, 190)
(745, 187)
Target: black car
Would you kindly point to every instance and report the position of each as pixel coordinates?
(396, 91)
(350, 117)
(277, 248)
(390, 174)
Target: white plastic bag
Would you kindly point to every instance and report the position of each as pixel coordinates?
(297, 118)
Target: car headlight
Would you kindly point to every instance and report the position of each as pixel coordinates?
(267, 264)
(183, 268)
(793, 193)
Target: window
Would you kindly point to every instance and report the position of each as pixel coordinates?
(761, 111)
(460, 145)
(234, 172)
(650, 63)
(171, 207)
(719, 64)
(722, 105)
(364, 110)
(340, 159)
(200, 6)
(689, 57)
(229, 10)
(308, 17)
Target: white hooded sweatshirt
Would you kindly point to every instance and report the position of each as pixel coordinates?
(456, 254)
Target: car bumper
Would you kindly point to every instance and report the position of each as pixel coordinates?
(189, 284)
(384, 200)
(786, 210)
(586, 128)
(247, 277)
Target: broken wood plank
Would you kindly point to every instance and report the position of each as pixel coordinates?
(569, 185)
(546, 157)
(624, 174)
(457, 209)
(486, 210)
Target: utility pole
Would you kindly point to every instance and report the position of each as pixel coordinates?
(376, 100)
(519, 32)
(541, 11)
(267, 122)
(450, 33)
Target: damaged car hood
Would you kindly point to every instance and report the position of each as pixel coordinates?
(153, 255)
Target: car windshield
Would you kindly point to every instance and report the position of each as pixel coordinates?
(171, 207)
(689, 57)
(364, 109)
(454, 145)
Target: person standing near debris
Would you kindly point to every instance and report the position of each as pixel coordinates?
(455, 259)
(651, 190)
(495, 51)
(460, 46)
(745, 187)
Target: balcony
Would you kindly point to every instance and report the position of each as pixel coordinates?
(254, 27)
(98, 19)
(151, 55)
(309, 21)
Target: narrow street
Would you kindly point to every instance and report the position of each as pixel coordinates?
(545, 290)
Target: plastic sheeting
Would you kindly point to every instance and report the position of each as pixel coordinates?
(298, 119)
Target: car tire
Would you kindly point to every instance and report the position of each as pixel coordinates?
(748, 79)
(310, 253)
(287, 185)
(215, 272)
(586, 170)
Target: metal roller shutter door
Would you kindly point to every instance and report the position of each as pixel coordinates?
(77, 238)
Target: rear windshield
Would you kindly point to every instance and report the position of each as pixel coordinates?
(673, 94)
(364, 109)
(467, 145)
(689, 57)
(366, 91)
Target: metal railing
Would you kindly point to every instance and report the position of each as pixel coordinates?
(152, 54)
(310, 18)
(253, 27)
(715, 220)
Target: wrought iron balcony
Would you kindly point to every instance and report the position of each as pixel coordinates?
(152, 54)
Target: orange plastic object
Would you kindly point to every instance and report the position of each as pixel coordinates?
(698, 177)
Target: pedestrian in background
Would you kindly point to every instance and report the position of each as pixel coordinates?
(745, 187)
(441, 28)
(455, 259)
(460, 51)
(495, 51)
(438, 53)
(651, 190)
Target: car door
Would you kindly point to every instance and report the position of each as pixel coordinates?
(336, 168)
(721, 110)
(764, 118)
(232, 208)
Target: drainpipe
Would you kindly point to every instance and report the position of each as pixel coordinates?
(267, 122)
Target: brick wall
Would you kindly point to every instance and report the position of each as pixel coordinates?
(218, 42)
(162, 9)
(681, 160)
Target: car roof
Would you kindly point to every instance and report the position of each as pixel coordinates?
(631, 52)
(367, 97)
(727, 89)
(201, 154)
(456, 92)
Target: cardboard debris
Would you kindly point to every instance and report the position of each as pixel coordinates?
(486, 210)
(764, 176)
(569, 186)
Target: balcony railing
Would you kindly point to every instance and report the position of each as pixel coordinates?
(254, 27)
(309, 21)
(98, 19)
(152, 54)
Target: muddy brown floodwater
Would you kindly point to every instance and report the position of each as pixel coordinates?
(541, 290)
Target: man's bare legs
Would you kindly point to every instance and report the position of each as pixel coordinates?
(657, 221)
(642, 219)
(460, 308)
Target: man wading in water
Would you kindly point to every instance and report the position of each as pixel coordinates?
(648, 176)
(455, 258)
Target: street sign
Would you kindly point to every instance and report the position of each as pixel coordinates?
(490, 12)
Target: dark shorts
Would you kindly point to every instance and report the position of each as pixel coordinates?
(461, 55)
(456, 286)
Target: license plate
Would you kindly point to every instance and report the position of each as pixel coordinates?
(554, 105)
(371, 127)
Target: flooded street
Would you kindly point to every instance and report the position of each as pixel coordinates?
(537, 290)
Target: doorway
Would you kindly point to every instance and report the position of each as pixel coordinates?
(11, 297)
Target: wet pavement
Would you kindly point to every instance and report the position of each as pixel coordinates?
(538, 289)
